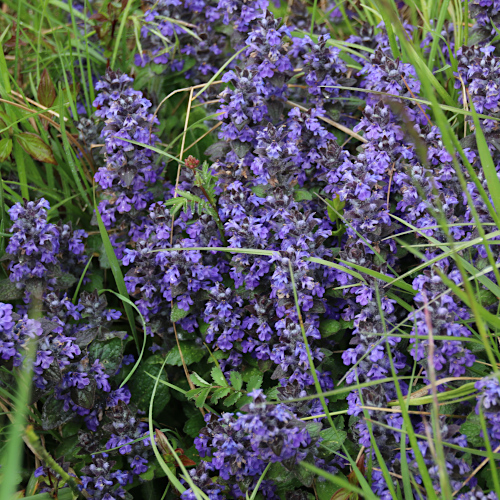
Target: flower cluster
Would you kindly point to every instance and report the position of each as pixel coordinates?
(130, 169)
(40, 252)
(487, 16)
(173, 30)
(242, 445)
(16, 334)
(346, 221)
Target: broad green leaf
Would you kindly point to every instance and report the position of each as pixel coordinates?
(35, 147)
(472, 429)
(9, 291)
(53, 414)
(332, 439)
(236, 380)
(194, 424)
(109, 353)
(5, 148)
(177, 313)
(141, 387)
(191, 352)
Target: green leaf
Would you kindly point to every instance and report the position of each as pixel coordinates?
(472, 429)
(194, 424)
(191, 351)
(193, 393)
(486, 160)
(109, 353)
(149, 474)
(236, 380)
(198, 381)
(84, 397)
(220, 393)
(35, 147)
(5, 148)
(9, 291)
(271, 393)
(177, 313)
(141, 387)
(329, 327)
(66, 280)
(314, 428)
(46, 91)
(254, 382)
(200, 400)
(302, 194)
(333, 207)
(325, 490)
(117, 273)
(333, 439)
(62, 494)
(231, 400)
(53, 414)
(259, 190)
(218, 376)
(253, 370)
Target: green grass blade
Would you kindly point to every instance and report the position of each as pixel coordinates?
(486, 160)
(117, 272)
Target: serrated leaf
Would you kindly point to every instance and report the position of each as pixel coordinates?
(272, 393)
(35, 147)
(177, 313)
(218, 376)
(200, 400)
(193, 393)
(220, 393)
(5, 148)
(236, 380)
(46, 91)
(255, 382)
(198, 381)
(252, 371)
(231, 400)
(191, 352)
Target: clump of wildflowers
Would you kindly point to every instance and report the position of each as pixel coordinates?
(242, 445)
(41, 251)
(130, 169)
